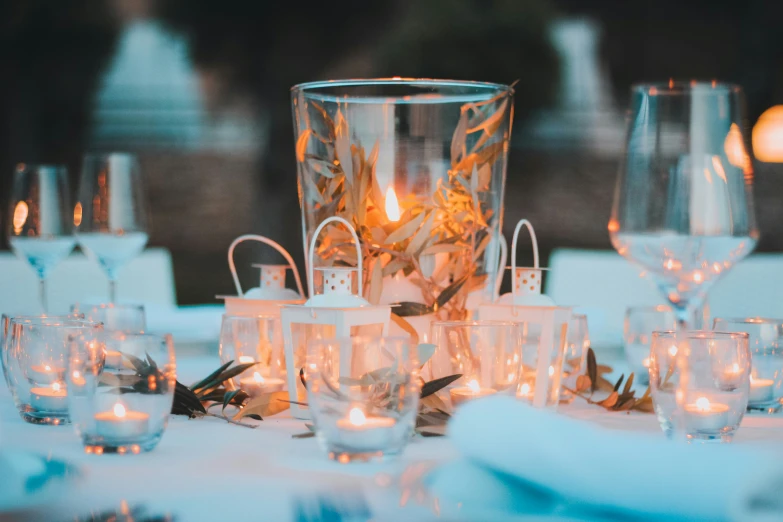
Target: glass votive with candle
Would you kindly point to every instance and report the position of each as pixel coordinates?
(36, 355)
(487, 355)
(129, 318)
(363, 395)
(765, 338)
(575, 359)
(640, 322)
(248, 340)
(711, 394)
(121, 409)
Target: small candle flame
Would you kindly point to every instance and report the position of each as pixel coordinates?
(356, 417)
(551, 371)
(474, 386)
(47, 368)
(703, 404)
(646, 362)
(258, 378)
(392, 205)
(56, 386)
(245, 359)
(524, 389)
(20, 216)
(672, 350)
(119, 410)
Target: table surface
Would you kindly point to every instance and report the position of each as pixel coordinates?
(206, 469)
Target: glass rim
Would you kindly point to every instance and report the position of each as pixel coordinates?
(365, 338)
(320, 90)
(477, 323)
(701, 334)
(750, 320)
(649, 308)
(23, 167)
(58, 321)
(684, 87)
(246, 317)
(108, 306)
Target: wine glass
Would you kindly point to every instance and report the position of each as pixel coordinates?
(40, 219)
(110, 217)
(683, 204)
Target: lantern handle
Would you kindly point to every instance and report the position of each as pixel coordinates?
(514, 252)
(501, 267)
(312, 250)
(266, 241)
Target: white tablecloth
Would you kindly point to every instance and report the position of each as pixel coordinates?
(206, 469)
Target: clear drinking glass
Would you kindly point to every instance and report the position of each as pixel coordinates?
(640, 322)
(363, 394)
(37, 355)
(40, 219)
(700, 383)
(111, 219)
(254, 339)
(126, 318)
(575, 360)
(486, 353)
(683, 204)
(124, 408)
(397, 156)
(766, 350)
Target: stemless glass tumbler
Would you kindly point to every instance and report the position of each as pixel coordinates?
(127, 318)
(640, 322)
(36, 354)
(363, 394)
(575, 360)
(766, 350)
(258, 340)
(125, 408)
(700, 383)
(683, 205)
(486, 353)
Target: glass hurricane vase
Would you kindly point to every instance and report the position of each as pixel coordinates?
(418, 168)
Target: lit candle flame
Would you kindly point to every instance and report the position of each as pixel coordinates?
(258, 378)
(245, 359)
(551, 371)
(56, 386)
(20, 216)
(703, 404)
(524, 389)
(47, 368)
(672, 350)
(646, 362)
(119, 410)
(356, 417)
(392, 205)
(474, 386)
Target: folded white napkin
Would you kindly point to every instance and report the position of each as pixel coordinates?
(521, 460)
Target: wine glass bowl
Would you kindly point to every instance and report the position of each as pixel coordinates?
(683, 204)
(111, 215)
(40, 219)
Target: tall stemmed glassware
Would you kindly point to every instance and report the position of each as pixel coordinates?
(111, 216)
(40, 218)
(683, 205)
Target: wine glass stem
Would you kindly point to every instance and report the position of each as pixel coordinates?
(690, 316)
(112, 290)
(42, 294)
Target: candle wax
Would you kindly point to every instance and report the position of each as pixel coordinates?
(121, 423)
(465, 393)
(49, 399)
(761, 390)
(705, 416)
(256, 386)
(45, 373)
(366, 433)
(113, 359)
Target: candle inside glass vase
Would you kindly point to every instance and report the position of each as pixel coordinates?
(258, 384)
(469, 392)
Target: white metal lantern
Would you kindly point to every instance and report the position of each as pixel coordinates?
(266, 299)
(336, 312)
(544, 328)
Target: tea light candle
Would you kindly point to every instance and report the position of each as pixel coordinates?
(49, 399)
(706, 416)
(45, 372)
(121, 423)
(468, 393)
(113, 359)
(525, 391)
(760, 390)
(257, 384)
(362, 433)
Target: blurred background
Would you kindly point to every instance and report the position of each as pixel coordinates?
(199, 90)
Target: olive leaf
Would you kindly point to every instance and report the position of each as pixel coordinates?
(406, 230)
(438, 384)
(265, 405)
(406, 326)
(409, 309)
